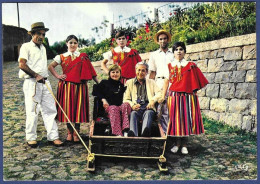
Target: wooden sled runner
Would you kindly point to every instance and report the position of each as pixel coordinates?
(102, 145)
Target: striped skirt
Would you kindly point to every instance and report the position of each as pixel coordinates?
(74, 100)
(184, 114)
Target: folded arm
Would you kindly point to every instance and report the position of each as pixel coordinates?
(23, 66)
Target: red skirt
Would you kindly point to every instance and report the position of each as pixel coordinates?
(184, 114)
(73, 98)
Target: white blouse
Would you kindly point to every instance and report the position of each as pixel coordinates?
(66, 54)
(177, 63)
(108, 55)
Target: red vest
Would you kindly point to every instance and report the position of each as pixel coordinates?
(189, 79)
(78, 70)
(127, 62)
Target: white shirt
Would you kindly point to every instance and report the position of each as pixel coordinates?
(158, 63)
(66, 54)
(36, 59)
(108, 55)
(177, 63)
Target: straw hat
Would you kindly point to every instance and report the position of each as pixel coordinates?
(37, 26)
(162, 32)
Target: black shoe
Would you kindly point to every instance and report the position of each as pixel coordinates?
(146, 132)
(131, 133)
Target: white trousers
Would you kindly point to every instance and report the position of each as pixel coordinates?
(42, 101)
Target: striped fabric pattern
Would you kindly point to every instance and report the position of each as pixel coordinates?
(184, 114)
(74, 100)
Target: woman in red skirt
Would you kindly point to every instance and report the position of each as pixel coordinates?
(72, 93)
(183, 104)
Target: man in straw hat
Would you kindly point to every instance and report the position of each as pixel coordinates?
(158, 67)
(33, 68)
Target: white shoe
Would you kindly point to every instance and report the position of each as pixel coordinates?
(175, 149)
(125, 134)
(184, 151)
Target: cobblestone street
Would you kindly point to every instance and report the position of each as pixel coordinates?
(216, 155)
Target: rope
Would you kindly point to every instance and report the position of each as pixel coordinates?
(69, 120)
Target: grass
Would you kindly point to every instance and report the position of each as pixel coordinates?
(215, 127)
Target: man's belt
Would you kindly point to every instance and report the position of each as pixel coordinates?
(160, 77)
(42, 81)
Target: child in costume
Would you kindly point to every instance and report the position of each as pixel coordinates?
(183, 104)
(72, 92)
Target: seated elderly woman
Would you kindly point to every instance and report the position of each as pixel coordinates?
(111, 93)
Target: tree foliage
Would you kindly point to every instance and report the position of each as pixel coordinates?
(201, 23)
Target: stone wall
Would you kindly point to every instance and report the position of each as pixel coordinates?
(230, 66)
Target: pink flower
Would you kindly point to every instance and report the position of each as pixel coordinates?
(127, 37)
(170, 13)
(175, 13)
(113, 39)
(140, 37)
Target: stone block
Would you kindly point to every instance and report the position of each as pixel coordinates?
(246, 91)
(228, 66)
(231, 119)
(227, 90)
(234, 119)
(220, 53)
(203, 65)
(239, 106)
(222, 117)
(219, 105)
(212, 90)
(223, 77)
(211, 114)
(213, 54)
(247, 123)
(249, 52)
(204, 55)
(251, 76)
(234, 53)
(187, 57)
(238, 76)
(194, 56)
(246, 65)
(202, 92)
(204, 102)
(210, 77)
(214, 65)
(253, 107)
